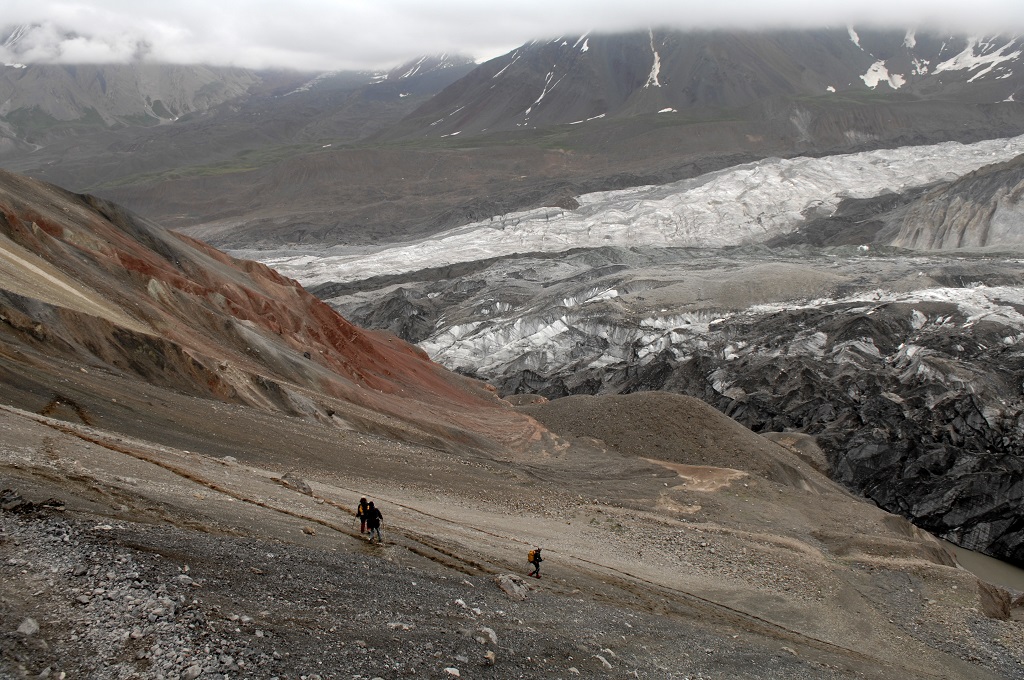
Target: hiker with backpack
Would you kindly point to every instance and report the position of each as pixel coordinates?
(534, 558)
(361, 514)
(373, 519)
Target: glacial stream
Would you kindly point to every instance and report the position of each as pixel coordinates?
(988, 569)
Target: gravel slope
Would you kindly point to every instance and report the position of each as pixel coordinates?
(173, 563)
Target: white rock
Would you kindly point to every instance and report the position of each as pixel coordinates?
(28, 627)
(454, 672)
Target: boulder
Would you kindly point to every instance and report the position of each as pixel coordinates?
(296, 483)
(994, 601)
(513, 586)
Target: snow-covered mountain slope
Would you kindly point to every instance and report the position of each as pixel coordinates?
(582, 78)
(746, 204)
(428, 64)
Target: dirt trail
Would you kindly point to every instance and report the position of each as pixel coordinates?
(693, 569)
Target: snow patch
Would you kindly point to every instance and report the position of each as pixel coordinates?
(830, 89)
(652, 79)
(413, 70)
(854, 38)
(515, 58)
(310, 84)
(910, 39)
(548, 86)
(668, 110)
(878, 73)
(968, 60)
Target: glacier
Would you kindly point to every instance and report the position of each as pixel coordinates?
(740, 205)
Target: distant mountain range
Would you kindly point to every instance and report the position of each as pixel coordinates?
(44, 103)
(574, 80)
(241, 158)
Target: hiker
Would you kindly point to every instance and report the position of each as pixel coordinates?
(361, 514)
(535, 559)
(373, 519)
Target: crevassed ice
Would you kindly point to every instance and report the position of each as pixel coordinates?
(740, 205)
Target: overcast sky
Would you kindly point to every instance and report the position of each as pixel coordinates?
(360, 34)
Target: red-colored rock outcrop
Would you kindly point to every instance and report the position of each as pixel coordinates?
(89, 281)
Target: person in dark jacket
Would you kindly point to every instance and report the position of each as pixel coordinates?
(373, 520)
(361, 514)
(536, 563)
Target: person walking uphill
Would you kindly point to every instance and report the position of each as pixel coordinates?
(361, 514)
(535, 559)
(373, 520)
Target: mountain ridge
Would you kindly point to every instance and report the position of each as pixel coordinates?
(594, 123)
(669, 71)
(200, 321)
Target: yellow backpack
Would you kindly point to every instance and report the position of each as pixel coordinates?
(530, 555)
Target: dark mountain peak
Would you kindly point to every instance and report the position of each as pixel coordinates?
(572, 80)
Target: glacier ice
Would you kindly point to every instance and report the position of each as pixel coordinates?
(739, 205)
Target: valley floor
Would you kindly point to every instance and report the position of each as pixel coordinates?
(165, 562)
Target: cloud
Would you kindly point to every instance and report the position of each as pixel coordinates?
(365, 34)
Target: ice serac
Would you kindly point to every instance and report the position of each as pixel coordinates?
(86, 282)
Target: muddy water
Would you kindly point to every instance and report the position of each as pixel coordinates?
(988, 568)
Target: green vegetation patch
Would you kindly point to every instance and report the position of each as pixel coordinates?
(33, 123)
(161, 110)
(140, 119)
(245, 161)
